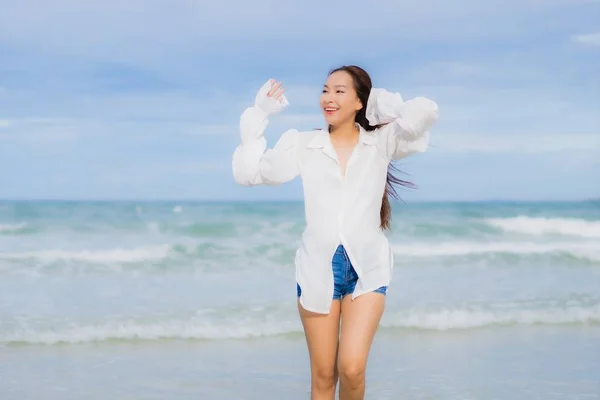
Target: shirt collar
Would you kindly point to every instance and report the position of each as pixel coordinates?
(321, 139)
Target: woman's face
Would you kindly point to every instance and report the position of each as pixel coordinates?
(339, 101)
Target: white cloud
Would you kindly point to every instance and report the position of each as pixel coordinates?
(182, 106)
(200, 129)
(144, 30)
(447, 70)
(4, 123)
(538, 110)
(488, 140)
(495, 69)
(143, 174)
(466, 109)
(590, 39)
(44, 129)
(193, 167)
(514, 143)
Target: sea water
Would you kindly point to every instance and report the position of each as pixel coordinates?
(489, 300)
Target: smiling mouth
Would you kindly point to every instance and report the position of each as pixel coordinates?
(330, 110)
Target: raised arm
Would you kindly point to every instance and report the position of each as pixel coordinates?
(253, 163)
(407, 123)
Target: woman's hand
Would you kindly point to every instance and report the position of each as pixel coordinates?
(276, 90)
(270, 98)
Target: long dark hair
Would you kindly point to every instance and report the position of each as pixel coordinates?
(362, 86)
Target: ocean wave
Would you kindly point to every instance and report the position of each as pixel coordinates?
(212, 230)
(585, 251)
(262, 322)
(94, 256)
(479, 317)
(22, 227)
(187, 257)
(547, 226)
(206, 324)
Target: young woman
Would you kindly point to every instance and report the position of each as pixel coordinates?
(344, 263)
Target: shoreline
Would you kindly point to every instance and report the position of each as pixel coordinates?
(501, 363)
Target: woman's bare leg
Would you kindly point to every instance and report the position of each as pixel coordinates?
(322, 334)
(360, 319)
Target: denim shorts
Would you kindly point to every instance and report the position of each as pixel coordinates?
(344, 276)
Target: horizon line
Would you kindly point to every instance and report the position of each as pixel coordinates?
(173, 200)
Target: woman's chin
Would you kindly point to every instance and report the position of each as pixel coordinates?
(331, 120)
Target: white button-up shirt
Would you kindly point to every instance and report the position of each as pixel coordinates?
(338, 209)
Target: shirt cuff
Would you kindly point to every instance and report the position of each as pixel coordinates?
(253, 123)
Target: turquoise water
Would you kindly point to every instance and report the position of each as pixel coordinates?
(121, 275)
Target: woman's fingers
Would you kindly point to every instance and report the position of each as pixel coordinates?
(279, 93)
(270, 97)
(274, 86)
(276, 90)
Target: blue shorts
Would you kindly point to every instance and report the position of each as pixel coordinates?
(344, 276)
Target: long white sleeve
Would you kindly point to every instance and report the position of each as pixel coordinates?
(407, 123)
(253, 163)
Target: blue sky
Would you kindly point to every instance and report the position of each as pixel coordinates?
(141, 99)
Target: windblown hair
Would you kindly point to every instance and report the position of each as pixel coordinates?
(363, 86)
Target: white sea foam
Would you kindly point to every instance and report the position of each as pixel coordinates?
(545, 226)
(12, 228)
(192, 328)
(95, 256)
(217, 325)
(462, 318)
(589, 251)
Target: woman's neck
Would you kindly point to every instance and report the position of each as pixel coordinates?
(346, 132)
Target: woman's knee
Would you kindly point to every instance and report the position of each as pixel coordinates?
(352, 372)
(324, 377)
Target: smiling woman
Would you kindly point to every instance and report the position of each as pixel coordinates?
(351, 87)
(344, 264)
